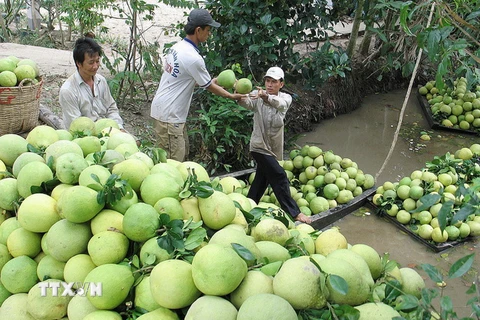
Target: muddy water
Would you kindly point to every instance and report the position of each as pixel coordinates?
(366, 136)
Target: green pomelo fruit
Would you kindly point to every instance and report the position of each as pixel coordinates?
(227, 236)
(22, 242)
(157, 186)
(229, 184)
(61, 147)
(318, 205)
(64, 135)
(127, 149)
(108, 158)
(4, 294)
(140, 222)
(329, 241)
(191, 209)
(19, 275)
(376, 311)
(77, 268)
(151, 253)
(243, 86)
(9, 192)
(6, 227)
(66, 239)
(412, 282)
(331, 191)
(85, 178)
(143, 295)
(160, 313)
(59, 189)
(226, 79)
(271, 230)
(15, 308)
(369, 181)
(108, 247)
(169, 170)
(11, 146)
(89, 144)
(212, 308)
(144, 157)
(371, 256)
(242, 200)
(298, 282)
(132, 170)
(78, 204)
(103, 315)
(42, 136)
(273, 251)
(4, 255)
(29, 62)
(255, 282)
(107, 220)
(69, 166)
(190, 167)
(82, 126)
(45, 303)
(271, 269)
(116, 281)
(103, 123)
(8, 79)
(120, 138)
(23, 159)
(50, 268)
(33, 174)
(355, 260)
(303, 239)
(79, 307)
(358, 289)
(217, 211)
(217, 270)
(7, 64)
(314, 151)
(171, 207)
(24, 72)
(474, 228)
(266, 306)
(172, 284)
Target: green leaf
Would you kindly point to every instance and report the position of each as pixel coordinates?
(427, 201)
(461, 266)
(195, 238)
(338, 284)
(432, 272)
(243, 252)
(463, 213)
(443, 214)
(408, 302)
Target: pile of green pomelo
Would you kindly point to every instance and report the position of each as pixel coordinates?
(163, 250)
(416, 201)
(456, 107)
(14, 70)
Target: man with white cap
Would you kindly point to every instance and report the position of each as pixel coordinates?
(269, 108)
(184, 69)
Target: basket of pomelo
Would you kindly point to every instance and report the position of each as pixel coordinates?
(20, 89)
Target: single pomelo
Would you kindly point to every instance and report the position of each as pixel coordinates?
(172, 284)
(273, 251)
(23, 159)
(42, 136)
(78, 204)
(87, 180)
(7, 64)
(140, 222)
(412, 282)
(6, 227)
(169, 170)
(126, 149)
(103, 315)
(29, 62)
(226, 79)
(8, 79)
(157, 186)
(212, 308)
(160, 313)
(330, 240)
(103, 123)
(61, 147)
(120, 138)
(243, 86)
(66, 239)
(304, 240)
(11, 146)
(45, 303)
(170, 206)
(229, 184)
(376, 311)
(82, 126)
(144, 157)
(116, 281)
(108, 247)
(217, 211)
(9, 191)
(266, 306)
(227, 236)
(15, 308)
(89, 144)
(77, 268)
(79, 307)
(69, 166)
(355, 260)
(24, 72)
(50, 268)
(107, 219)
(108, 158)
(371, 256)
(58, 190)
(132, 170)
(33, 174)
(242, 200)
(191, 209)
(64, 134)
(143, 295)
(299, 282)
(19, 275)
(255, 282)
(191, 167)
(270, 229)
(129, 198)
(217, 269)
(152, 253)
(22, 242)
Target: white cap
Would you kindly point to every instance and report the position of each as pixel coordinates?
(275, 73)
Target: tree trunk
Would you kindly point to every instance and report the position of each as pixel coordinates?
(365, 44)
(4, 28)
(356, 26)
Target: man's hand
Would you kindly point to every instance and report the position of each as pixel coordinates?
(262, 94)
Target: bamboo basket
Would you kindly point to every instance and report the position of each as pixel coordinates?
(19, 107)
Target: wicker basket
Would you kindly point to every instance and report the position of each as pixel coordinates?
(19, 107)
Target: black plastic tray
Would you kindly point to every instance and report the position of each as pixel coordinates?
(435, 124)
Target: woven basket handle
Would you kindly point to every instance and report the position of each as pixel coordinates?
(25, 80)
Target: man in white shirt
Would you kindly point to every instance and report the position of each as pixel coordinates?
(184, 69)
(86, 93)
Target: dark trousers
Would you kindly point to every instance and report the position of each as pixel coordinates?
(269, 172)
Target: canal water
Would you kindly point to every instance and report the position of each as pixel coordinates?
(366, 136)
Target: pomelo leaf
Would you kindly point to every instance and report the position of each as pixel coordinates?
(432, 272)
(408, 302)
(338, 284)
(243, 252)
(461, 266)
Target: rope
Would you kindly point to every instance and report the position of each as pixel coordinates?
(407, 96)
